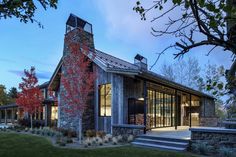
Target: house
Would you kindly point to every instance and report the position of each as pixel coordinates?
(129, 94)
(125, 94)
(11, 113)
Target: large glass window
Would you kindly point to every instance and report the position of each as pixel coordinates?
(160, 109)
(105, 100)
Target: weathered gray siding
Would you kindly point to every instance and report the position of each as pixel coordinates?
(101, 123)
(133, 88)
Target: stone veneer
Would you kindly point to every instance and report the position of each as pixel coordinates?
(208, 121)
(64, 119)
(216, 137)
(126, 130)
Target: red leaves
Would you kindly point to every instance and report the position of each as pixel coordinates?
(77, 78)
(30, 98)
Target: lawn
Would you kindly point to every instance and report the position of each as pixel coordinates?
(15, 145)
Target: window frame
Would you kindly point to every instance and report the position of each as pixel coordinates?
(99, 100)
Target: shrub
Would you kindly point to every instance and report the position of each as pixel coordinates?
(109, 136)
(66, 132)
(130, 138)
(90, 133)
(32, 131)
(69, 140)
(106, 139)
(114, 141)
(226, 152)
(120, 138)
(26, 129)
(100, 134)
(202, 148)
(93, 140)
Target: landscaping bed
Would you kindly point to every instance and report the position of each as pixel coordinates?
(21, 145)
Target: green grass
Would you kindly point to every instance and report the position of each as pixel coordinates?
(18, 145)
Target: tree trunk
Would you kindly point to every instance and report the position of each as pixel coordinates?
(31, 121)
(80, 130)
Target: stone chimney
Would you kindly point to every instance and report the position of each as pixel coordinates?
(141, 62)
(82, 29)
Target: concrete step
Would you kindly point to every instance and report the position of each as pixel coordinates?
(158, 146)
(161, 142)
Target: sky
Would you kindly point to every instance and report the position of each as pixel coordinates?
(117, 30)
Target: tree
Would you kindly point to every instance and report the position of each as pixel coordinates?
(200, 23)
(12, 94)
(3, 95)
(168, 72)
(24, 10)
(77, 79)
(30, 97)
(185, 72)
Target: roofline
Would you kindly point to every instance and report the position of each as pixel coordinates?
(172, 84)
(55, 72)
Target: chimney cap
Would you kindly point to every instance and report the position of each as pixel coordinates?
(140, 58)
(75, 22)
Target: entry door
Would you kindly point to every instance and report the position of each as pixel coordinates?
(135, 111)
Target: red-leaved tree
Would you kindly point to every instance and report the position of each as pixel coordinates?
(30, 97)
(77, 79)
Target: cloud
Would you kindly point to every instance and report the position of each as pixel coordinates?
(40, 75)
(122, 22)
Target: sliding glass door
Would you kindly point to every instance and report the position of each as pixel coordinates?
(160, 109)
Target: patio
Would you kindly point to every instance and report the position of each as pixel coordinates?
(182, 132)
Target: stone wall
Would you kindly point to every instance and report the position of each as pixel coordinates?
(216, 137)
(66, 120)
(126, 130)
(208, 121)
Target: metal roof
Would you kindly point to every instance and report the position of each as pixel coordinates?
(113, 64)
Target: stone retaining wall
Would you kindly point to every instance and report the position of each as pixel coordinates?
(126, 130)
(216, 137)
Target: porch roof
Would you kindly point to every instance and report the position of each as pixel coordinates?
(13, 105)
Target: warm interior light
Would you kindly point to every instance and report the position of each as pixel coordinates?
(141, 99)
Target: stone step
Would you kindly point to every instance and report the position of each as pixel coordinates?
(162, 142)
(163, 138)
(158, 146)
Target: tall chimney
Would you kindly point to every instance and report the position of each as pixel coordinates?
(140, 61)
(82, 29)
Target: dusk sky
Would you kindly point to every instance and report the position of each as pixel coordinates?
(117, 30)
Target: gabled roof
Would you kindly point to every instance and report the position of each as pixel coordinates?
(113, 64)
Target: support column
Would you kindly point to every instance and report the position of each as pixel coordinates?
(145, 104)
(5, 116)
(176, 110)
(12, 116)
(190, 111)
(48, 110)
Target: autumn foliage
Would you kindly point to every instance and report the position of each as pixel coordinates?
(77, 78)
(30, 97)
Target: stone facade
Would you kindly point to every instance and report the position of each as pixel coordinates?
(208, 121)
(66, 120)
(126, 130)
(216, 137)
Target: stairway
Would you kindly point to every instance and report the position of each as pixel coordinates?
(161, 142)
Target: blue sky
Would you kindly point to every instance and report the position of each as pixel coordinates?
(117, 30)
